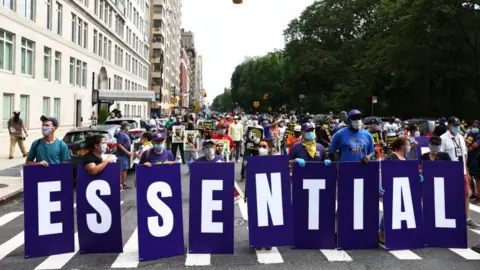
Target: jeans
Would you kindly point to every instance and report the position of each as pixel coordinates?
(175, 146)
(238, 147)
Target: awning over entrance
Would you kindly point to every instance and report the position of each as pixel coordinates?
(124, 95)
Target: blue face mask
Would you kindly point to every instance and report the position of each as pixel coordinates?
(159, 146)
(309, 136)
(475, 130)
(455, 129)
(46, 131)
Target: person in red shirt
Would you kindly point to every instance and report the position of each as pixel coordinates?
(221, 135)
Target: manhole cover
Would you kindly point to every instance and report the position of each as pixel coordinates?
(238, 221)
(3, 186)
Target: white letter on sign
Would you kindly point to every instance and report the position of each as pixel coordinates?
(209, 205)
(161, 208)
(440, 216)
(269, 200)
(46, 207)
(314, 186)
(99, 205)
(358, 204)
(401, 192)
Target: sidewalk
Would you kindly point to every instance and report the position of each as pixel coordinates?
(11, 180)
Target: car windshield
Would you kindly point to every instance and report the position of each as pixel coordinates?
(80, 136)
(133, 123)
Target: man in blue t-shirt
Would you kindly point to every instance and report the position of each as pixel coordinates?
(48, 150)
(123, 152)
(353, 143)
(159, 154)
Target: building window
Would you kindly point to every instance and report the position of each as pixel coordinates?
(105, 45)
(78, 73)
(109, 17)
(47, 62)
(84, 75)
(110, 50)
(85, 35)
(58, 22)
(74, 27)
(95, 8)
(105, 16)
(7, 109)
(48, 14)
(56, 108)
(6, 50)
(100, 37)
(25, 109)
(26, 8)
(80, 31)
(94, 41)
(157, 23)
(72, 71)
(7, 4)
(46, 106)
(58, 66)
(101, 9)
(27, 62)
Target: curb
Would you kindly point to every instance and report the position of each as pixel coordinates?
(10, 197)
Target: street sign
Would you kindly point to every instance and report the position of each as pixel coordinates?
(256, 104)
(374, 99)
(173, 100)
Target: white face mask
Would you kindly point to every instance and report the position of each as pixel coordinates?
(209, 153)
(356, 124)
(103, 148)
(263, 152)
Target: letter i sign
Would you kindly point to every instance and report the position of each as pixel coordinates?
(237, 193)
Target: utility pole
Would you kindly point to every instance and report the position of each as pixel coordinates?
(175, 97)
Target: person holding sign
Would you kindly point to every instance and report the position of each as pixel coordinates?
(353, 143)
(208, 149)
(158, 154)
(435, 154)
(308, 149)
(92, 161)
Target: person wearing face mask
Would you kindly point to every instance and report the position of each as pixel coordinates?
(208, 149)
(454, 145)
(123, 153)
(434, 154)
(49, 149)
(222, 135)
(353, 143)
(145, 144)
(473, 141)
(15, 127)
(158, 154)
(235, 130)
(94, 162)
(295, 138)
(308, 149)
(375, 131)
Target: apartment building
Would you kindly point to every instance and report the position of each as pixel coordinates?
(68, 58)
(165, 55)
(194, 64)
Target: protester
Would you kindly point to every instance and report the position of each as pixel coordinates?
(434, 154)
(249, 151)
(282, 129)
(292, 140)
(221, 135)
(353, 143)
(123, 152)
(308, 149)
(15, 127)
(145, 144)
(94, 118)
(235, 130)
(472, 141)
(152, 123)
(454, 145)
(177, 146)
(158, 154)
(390, 132)
(208, 149)
(441, 128)
(93, 161)
(49, 149)
(192, 154)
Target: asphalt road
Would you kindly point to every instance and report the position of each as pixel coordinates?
(12, 249)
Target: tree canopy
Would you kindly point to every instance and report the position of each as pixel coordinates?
(420, 58)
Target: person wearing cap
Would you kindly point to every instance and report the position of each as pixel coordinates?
(235, 131)
(295, 138)
(208, 149)
(222, 135)
(353, 143)
(441, 128)
(390, 132)
(308, 149)
(123, 152)
(15, 127)
(159, 153)
(49, 149)
(375, 131)
(454, 145)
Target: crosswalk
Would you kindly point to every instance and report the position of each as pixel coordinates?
(11, 250)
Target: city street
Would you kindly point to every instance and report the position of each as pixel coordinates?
(12, 249)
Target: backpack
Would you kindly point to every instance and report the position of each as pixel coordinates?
(36, 147)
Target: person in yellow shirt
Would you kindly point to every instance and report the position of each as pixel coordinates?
(235, 130)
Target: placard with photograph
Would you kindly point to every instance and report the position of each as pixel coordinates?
(254, 136)
(192, 140)
(178, 134)
(222, 148)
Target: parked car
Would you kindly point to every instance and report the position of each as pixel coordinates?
(424, 125)
(137, 127)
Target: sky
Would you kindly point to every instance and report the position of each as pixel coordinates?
(226, 33)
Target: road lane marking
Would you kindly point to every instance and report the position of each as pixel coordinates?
(474, 208)
(9, 217)
(466, 253)
(12, 244)
(243, 209)
(129, 257)
(334, 255)
(198, 259)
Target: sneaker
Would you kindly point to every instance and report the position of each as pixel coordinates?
(472, 224)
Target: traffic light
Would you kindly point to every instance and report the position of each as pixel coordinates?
(237, 1)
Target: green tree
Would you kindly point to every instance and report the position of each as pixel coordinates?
(223, 102)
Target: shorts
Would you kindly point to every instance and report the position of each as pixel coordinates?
(124, 162)
(467, 185)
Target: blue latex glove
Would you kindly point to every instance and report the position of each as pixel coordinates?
(381, 190)
(300, 161)
(190, 163)
(421, 178)
(327, 162)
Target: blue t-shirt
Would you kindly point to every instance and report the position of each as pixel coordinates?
(123, 139)
(352, 145)
(155, 158)
(266, 132)
(298, 151)
(53, 153)
(216, 159)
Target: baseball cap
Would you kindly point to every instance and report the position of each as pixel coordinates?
(54, 120)
(307, 126)
(158, 136)
(354, 112)
(208, 142)
(297, 128)
(454, 121)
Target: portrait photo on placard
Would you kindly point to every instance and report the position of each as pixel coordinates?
(222, 148)
(254, 136)
(192, 140)
(178, 134)
(207, 125)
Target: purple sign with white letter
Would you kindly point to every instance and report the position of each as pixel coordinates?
(211, 208)
(358, 205)
(402, 205)
(269, 204)
(314, 190)
(444, 204)
(48, 206)
(159, 212)
(99, 222)
(422, 146)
